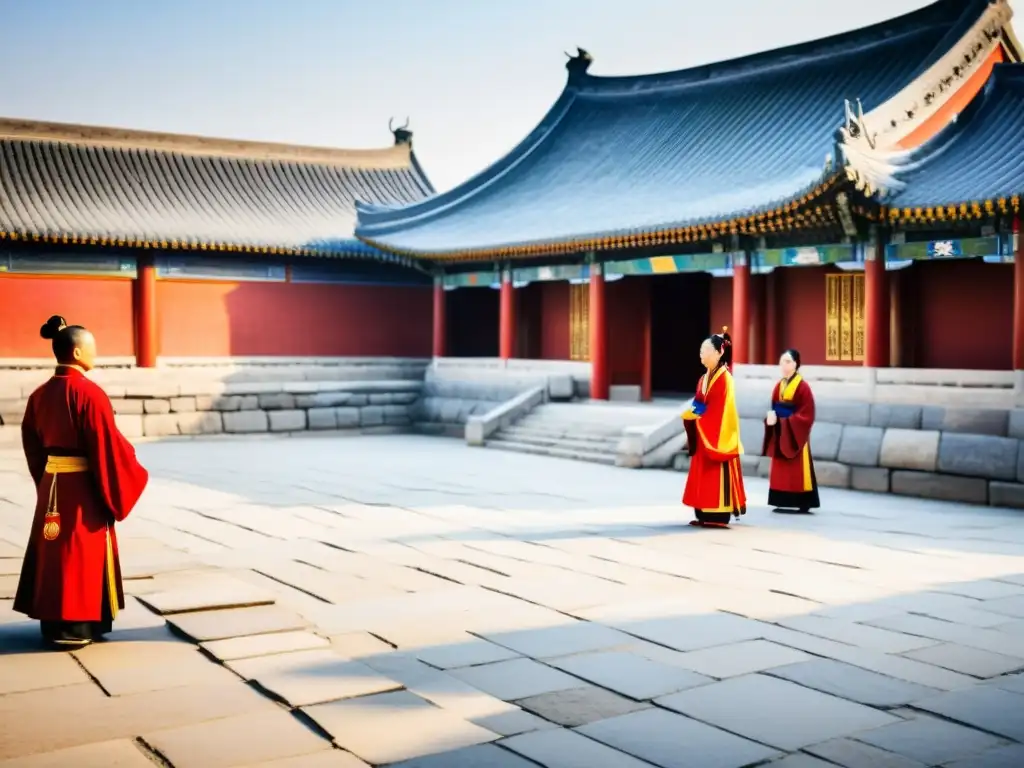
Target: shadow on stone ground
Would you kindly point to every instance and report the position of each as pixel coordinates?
(488, 610)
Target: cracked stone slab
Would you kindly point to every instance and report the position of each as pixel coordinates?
(468, 653)
(749, 706)
(691, 633)
(853, 683)
(856, 754)
(312, 677)
(157, 662)
(630, 674)
(333, 758)
(120, 753)
(1009, 756)
(546, 642)
(392, 727)
(929, 741)
(241, 740)
(579, 706)
(672, 741)
(264, 645)
(985, 706)
(968, 661)
(871, 638)
(741, 658)
(204, 626)
(480, 756)
(516, 679)
(566, 749)
(212, 593)
(31, 671)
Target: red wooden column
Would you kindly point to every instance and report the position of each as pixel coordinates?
(772, 317)
(507, 317)
(646, 364)
(876, 306)
(1018, 297)
(440, 330)
(756, 332)
(896, 318)
(145, 313)
(741, 307)
(599, 379)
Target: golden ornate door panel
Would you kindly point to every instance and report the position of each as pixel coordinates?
(579, 322)
(844, 317)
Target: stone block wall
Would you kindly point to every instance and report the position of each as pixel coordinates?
(370, 407)
(446, 404)
(973, 455)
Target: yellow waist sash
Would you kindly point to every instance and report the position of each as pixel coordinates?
(64, 465)
(59, 465)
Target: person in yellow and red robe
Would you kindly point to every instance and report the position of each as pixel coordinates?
(87, 477)
(787, 440)
(714, 486)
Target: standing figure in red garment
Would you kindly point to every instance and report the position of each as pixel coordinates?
(87, 477)
(714, 485)
(787, 440)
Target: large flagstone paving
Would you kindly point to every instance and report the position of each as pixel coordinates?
(307, 602)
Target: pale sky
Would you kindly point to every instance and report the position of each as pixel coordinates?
(474, 76)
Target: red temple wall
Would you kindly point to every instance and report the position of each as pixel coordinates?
(962, 314)
(628, 306)
(212, 318)
(800, 298)
(721, 304)
(554, 336)
(104, 305)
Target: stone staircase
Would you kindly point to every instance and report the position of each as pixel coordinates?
(580, 431)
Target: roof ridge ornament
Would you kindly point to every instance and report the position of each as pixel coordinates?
(578, 64)
(900, 115)
(402, 133)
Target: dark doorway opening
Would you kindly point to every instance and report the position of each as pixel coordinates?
(680, 318)
(471, 317)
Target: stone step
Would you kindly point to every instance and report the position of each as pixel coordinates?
(581, 427)
(555, 441)
(560, 453)
(545, 432)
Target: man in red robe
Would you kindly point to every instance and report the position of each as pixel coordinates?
(87, 477)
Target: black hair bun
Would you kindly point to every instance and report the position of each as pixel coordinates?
(52, 327)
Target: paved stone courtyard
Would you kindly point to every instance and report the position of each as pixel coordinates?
(398, 600)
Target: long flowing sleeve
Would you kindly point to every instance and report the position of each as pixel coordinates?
(120, 478)
(35, 451)
(771, 430)
(793, 432)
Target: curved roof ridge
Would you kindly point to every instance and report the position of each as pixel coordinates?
(934, 158)
(971, 119)
(960, 13)
(375, 216)
(398, 156)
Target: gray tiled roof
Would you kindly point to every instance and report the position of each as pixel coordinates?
(85, 184)
(978, 158)
(620, 157)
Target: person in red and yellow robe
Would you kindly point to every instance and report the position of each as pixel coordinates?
(787, 440)
(714, 486)
(87, 477)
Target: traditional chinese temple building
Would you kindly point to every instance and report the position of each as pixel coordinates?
(181, 246)
(855, 197)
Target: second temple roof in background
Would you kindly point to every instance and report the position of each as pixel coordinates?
(84, 184)
(621, 156)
